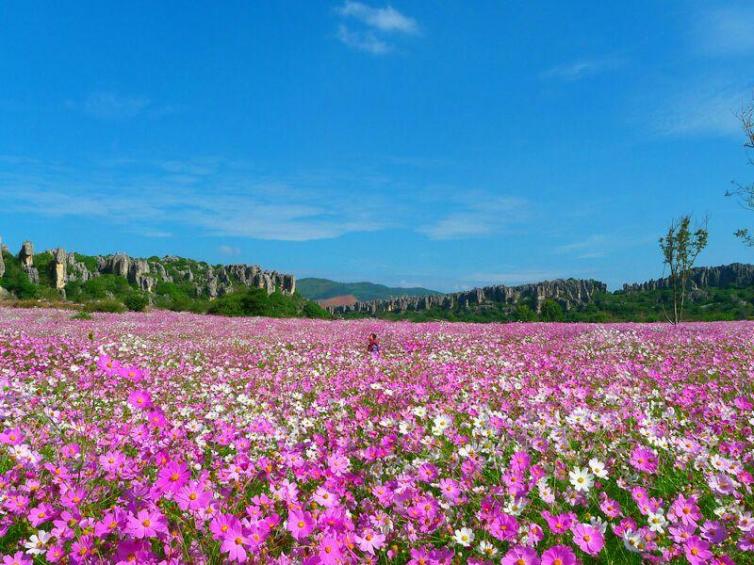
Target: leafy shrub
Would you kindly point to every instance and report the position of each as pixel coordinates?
(16, 280)
(109, 305)
(136, 301)
(82, 316)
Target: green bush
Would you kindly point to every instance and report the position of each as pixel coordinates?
(551, 311)
(109, 305)
(81, 316)
(136, 301)
(16, 280)
(314, 310)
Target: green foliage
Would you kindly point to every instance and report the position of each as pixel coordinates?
(81, 316)
(680, 247)
(88, 260)
(136, 301)
(551, 311)
(320, 289)
(98, 288)
(109, 305)
(256, 302)
(16, 280)
(524, 313)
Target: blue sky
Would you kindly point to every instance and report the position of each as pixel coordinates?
(449, 144)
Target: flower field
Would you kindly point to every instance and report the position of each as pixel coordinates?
(175, 438)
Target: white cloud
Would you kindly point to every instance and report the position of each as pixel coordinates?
(111, 106)
(229, 250)
(483, 217)
(363, 41)
(584, 68)
(386, 19)
(708, 109)
(223, 202)
(726, 30)
(374, 29)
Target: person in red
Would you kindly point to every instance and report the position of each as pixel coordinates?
(373, 346)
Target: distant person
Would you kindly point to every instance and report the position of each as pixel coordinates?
(374, 344)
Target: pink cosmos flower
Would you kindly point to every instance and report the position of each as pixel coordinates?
(300, 524)
(559, 555)
(172, 477)
(504, 527)
(329, 551)
(193, 496)
(140, 399)
(146, 524)
(222, 524)
(17, 558)
(14, 436)
(685, 510)
(559, 524)
(55, 553)
(370, 540)
(233, 544)
(133, 551)
(589, 539)
(644, 460)
(697, 551)
(325, 498)
(520, 556)
(41, 514)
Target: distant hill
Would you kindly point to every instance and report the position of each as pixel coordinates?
(322, 289)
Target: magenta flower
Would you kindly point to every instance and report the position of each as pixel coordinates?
(559, 555)
(233, 544)
(644, 460)
(172, 477)
(520, 556)
(697, 551)
(146, 524)
(300, 524)
(140, 399)
(589, 539)
(329, 550)
(504, 527)
(370, 540)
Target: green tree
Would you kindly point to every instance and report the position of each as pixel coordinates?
(680, 247)
(551, 311)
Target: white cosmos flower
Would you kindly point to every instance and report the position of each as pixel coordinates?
(464, 536)
(581, 479)
(35, 545)
(598, 468)
(487, 549)
(657, 522)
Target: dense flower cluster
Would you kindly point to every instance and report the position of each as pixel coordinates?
(175, 438)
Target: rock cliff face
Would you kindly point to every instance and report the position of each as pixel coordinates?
(724, 276)
(26, 256)
(145, 274)
(570, 293)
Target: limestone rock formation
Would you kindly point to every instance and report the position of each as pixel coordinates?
(26, 256)
(724, 276)
(205, 280)
(59, 268)
(569, 293)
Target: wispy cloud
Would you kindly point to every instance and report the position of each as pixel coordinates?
(222, 199)
(229, 250)
(482, 217)
(727, 30)
(363, 41)
(710, 108)
(112, 106)
(597, 246)
(583, 68)
(386, 19)
(369, 29)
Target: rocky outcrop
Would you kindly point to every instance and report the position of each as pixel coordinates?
(207, 280)
(569, 293)
(26, 257)
(724, 276)
(59, 268)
